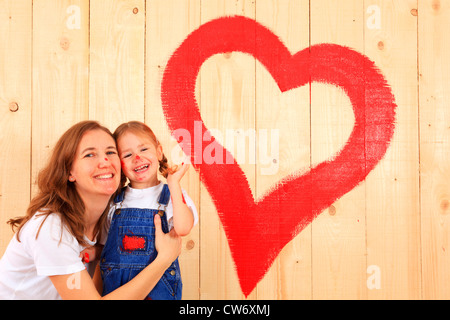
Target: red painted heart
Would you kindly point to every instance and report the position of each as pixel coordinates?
(258, 230)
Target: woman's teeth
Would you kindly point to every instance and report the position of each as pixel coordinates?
(105, 176)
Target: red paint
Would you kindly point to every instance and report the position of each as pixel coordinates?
(130, 243)
(85, 258)
(137, 157)
(258, 229)
(106, 159)
(182, 198)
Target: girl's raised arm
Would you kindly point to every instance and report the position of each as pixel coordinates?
(183, 219)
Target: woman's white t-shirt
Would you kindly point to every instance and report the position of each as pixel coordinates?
(26, 265)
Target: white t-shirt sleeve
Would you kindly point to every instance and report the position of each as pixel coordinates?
(55, 251)
(189, 203)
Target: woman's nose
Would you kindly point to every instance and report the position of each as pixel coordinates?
(104, 161)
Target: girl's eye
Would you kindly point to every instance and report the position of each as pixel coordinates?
(144, 149)
(126, 155)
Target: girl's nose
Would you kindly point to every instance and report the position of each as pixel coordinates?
(137, 157)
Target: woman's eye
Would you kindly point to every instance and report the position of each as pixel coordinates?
(88, 155)
(111, 153)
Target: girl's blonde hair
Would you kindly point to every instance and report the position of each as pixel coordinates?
(56, 194)
(141, 129)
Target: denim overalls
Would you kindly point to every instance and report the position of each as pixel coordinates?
(130, 247)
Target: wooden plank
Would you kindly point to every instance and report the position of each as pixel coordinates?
(434, 84)
(338, 234)
(116, 81)
(288, 115)
(227, 102)
(15, 113)
(162, 38)
(392, 189)
(60, 72)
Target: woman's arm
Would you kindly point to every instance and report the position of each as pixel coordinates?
(81, 286)
(97, 278)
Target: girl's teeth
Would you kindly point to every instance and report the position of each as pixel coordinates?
(141, 168)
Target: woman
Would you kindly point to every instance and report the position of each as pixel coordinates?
(66, 216)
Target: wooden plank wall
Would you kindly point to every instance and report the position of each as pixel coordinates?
(63, 61)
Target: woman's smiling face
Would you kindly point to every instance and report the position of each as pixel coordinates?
(140, 158)
(96, 167)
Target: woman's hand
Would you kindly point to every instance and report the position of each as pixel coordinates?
(168, 245)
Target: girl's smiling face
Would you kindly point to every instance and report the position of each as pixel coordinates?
(139, 157)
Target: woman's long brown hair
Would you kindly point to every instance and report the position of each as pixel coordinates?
(56, 194)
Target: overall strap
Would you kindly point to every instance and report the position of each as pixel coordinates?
(164, 197)
(120, 196)
(163, 201)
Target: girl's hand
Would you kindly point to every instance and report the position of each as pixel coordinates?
(183, 219)
(91, 253)
(176, 176)
(88, 254)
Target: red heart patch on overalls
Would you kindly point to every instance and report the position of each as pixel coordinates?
(255, 229)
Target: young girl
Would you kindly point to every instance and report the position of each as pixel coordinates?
(130, 244)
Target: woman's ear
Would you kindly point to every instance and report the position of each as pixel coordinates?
(71, 178)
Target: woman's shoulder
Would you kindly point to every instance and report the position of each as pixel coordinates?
(42, 218)
(47, 226)
(45, 217)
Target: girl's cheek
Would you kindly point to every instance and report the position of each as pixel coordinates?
(124, 167)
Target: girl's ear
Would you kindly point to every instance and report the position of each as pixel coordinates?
(159, 152)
